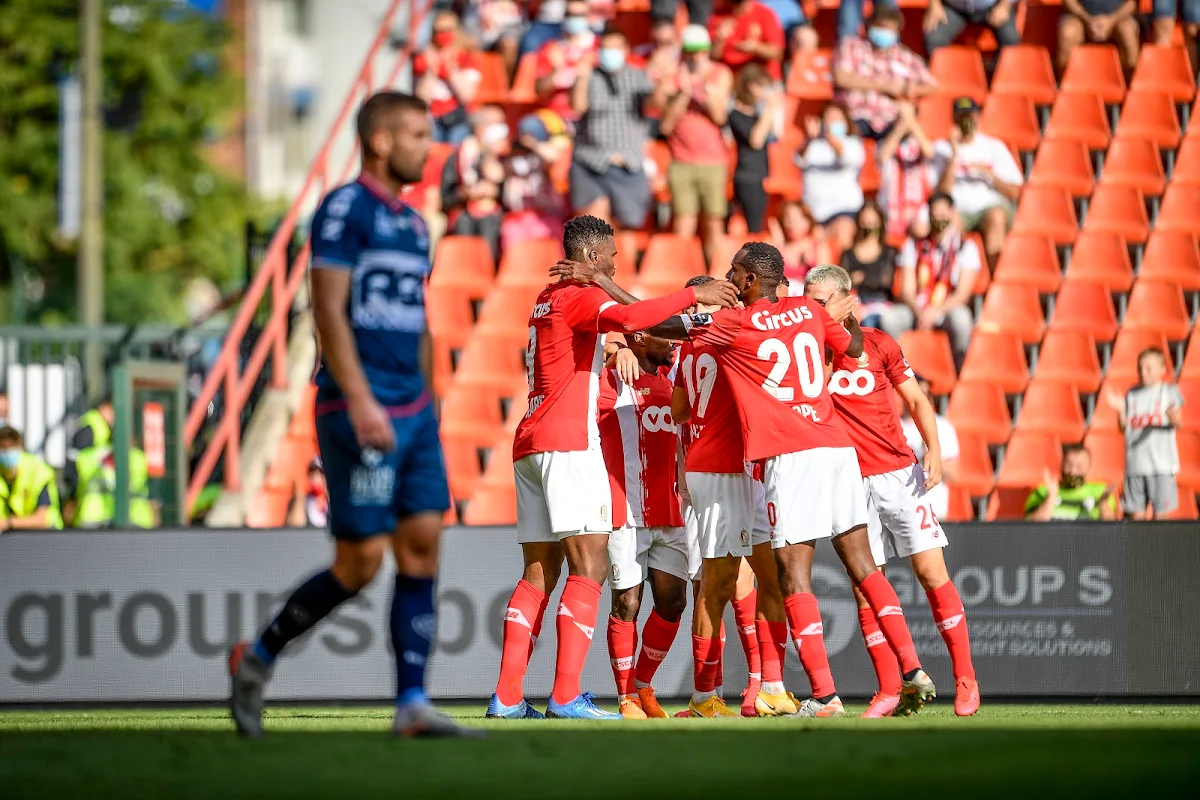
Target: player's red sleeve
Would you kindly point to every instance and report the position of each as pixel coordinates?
(836, 335)
(645, 314)
(581, 306)
(720, 332)
(895, 364)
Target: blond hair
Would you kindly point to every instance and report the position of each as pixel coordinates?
(831, 273)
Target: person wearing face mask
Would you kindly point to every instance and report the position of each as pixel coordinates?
(447, 78)
(28, 487)
(91, 490)
(946, 19)
(559, 61)
(756, 120)
(982, 176)
(938, 274)
(830, 163)
(850, 16)
(662, 53)
(473, 177)
(871, 263)
(546, 25)
(1071, 497)
(907, 174)
(873, 75)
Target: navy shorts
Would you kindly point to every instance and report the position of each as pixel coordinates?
(370, 491)
(628, 192)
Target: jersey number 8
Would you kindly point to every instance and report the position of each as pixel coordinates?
(808, 367)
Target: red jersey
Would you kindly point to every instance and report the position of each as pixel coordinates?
(863, 394)
(774, 357)
(712, 438)
(443, 101)
(757, 24)
(566, 55)
(637, 436)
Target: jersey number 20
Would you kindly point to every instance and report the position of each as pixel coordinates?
(808, 366)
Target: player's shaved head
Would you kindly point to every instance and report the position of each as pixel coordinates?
(381, 109)
(698, 280)
(590, 239)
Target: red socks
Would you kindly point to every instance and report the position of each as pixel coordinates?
(882, 598)
(743, 613)
(951, 620)
(706, 660)
(575, 625)
(721, 658)
(804, 619)
(772, 640)
(522, 625)
(657, 638)
(887, 669)
(622, 642)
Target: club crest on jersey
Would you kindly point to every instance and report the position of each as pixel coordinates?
(616, 573)
(864, 360)
(745, 538)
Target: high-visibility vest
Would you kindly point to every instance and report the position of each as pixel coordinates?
(101, 430)
(21, 496)
(95, 495)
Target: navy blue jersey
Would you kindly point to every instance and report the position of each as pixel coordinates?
(385, 246)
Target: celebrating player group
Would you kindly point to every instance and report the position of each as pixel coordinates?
(721, 463)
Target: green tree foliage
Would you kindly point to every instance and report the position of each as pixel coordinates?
(169, 216)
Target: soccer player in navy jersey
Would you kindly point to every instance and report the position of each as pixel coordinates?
(376, 428)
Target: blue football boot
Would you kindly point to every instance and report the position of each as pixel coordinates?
(582, 707)
(521, 710)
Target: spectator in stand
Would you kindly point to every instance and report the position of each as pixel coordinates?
(1071, 497)
(1163, 27)
(908, 176)
(447, 76)
(871, 263)
(1150, 413)
(830, 163)
(1099, 22)
(946, 19)
(747, 32)
(756, 120)
(938, 496)
(28, 487)
(661, 54)
(692, 121)
(473, 176)
(938, 279)
(873, 75)
(982, 176)
(559, 61)
(535, 209)
(310, 508)
(698, 11)
(850, 16)
(607, 177)
(799, 239)
(547, 24)
(497, 25)
(797, 29)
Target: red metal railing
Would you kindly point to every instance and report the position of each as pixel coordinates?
(281, 279)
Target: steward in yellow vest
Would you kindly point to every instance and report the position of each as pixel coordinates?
(28, 487)
(95, 428)
(94, 503)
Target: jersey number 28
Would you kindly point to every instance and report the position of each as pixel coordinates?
(808, 366)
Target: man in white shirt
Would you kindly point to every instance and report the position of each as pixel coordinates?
(939, 496)
(982, 176)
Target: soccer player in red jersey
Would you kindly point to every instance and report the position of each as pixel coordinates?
(563, 498)
(772, 352)
(900, 518)
(649, 542)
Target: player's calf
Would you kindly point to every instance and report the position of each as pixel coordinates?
(951, 620)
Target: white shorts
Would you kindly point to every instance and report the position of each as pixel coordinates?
(900, 518)
(561, 495)
(633, 552)
(725, 505)
(814, 494)
(691, 526)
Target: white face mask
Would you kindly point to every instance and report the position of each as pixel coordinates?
(495, 133)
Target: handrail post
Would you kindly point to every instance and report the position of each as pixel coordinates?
(233, 423)
(279, 309)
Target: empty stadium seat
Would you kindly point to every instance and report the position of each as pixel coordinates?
(1130, 342)
(980, 409)
(1101, 257)
(1027, 458)
(1188, 444)
(1025, 70)
(960, 508)
(1013, 308)
(1082, 305)
(975, 472)
(1080, 117)
(811, 75)
(1046, 211)
(1107, 449)
(449, 316)
(1029, 259)
(524, 82)
(959, 72)
(935, 115)
(671, 260)
(784, 178)
(1063, 163)
(1069, 357)
(1187, 508)
(1172, 257)
(1190, 387)
(1120, 210)
(1191, 360)
(1158, 307)
(723, 250)
(463, 264)
(1095, 69)
(929, 354)
(996, 358)
(1178, 211)
(462, 465)
(1012, 119)
(1136, 163)
(1149, 115)
(1167, 70)
(494, 362)
(1050, 407)
(1187, 161)
(527, 261)
(493, 79)
(470, 413)
(491, 506)
(506, 312)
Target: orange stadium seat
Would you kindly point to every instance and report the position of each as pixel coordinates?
(670, 260)
(979, 409)
(1085, 306)
(494, 362)
(1029, 259)
(811, 75)
(929, 354)
(1069, 357)
(492, 506)
(449, 316)
(1194, 130)
(1136, 163)
(975, 471)
(1080, 117)
(472, 414)
(270, 509)
(1188, 443)
(1095, 69)
(1122, 364)
(996, 358)
(1191, 359)
(1047, 212)
(1178, 211)
(464, 265)
(1101, 257)
(1120, 210)
(1158, 307)
(1187, 508)
(303, 424)
(1027, 458)
(506, 312)
(1063, 163)
(784, 179)
(1012, 119)
(1104, 417)
(462, 465)
(1187, 161)
(960, 508)
(526, 262)
(1165, 69)
(1190, 387)
(1025, 70)
(292, 453)
(723, 250)
(523, 88)
(493, 79)
(1107, 448)
(1150, 115)
(935, 115)
(959, 72)
(1013, 308)
(1050, 407)
(444, 358)
(1172, 257)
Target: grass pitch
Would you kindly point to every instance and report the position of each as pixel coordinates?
(1035, 750)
